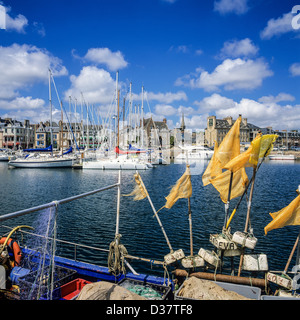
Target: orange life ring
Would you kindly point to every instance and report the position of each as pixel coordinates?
(15, 249)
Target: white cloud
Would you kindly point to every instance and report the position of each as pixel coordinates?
(180, 49)
(235, 49)
(194, 122)
(278, 26)
(295, 69)
(187, 111)
(22, 108)
(263, 113)
(280, 97)
(198, 52)
(24, 65)
(26, 103)
(167, 97)
(230, 74)
(96, 85)
(104, 56)
(17, 24)
(165, 110)
(231, 6)
(214, 102)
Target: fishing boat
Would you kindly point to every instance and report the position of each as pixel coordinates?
(31, 269)
(226, 172)
(37, 273)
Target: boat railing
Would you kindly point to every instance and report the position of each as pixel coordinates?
(66, 200)
(62, 201)
(75, 245)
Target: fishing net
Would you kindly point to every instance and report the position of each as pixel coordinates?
(38, 263)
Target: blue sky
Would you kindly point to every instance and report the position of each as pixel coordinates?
(200, 58)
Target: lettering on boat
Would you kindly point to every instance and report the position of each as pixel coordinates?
(222, 243)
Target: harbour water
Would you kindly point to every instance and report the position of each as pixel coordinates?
(91, 221)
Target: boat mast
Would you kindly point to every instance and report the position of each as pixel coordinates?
(118, 119)
(50, 103)
(116, 110)
(130, 115)
(142, 116)
(76, 121)
(61, 130)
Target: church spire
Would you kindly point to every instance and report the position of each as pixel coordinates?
(182, 127)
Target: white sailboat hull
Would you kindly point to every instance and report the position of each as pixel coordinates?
(194, 153)
(42, 163)
(282, 157)
(4, 157)
(115, 164)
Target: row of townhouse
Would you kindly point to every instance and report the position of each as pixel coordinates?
(16, 134)
(217, 129)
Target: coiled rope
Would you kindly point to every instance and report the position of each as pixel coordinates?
(116, 255)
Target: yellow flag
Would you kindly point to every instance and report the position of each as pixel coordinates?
(266, 144)
(213, 168)
(228, 149)
(239, 183)
(247, 158)
(257, 150)
(182, 189)
(230, 145)
(288, 216)
(139, 192)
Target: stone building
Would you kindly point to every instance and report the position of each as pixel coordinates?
(156, 133)
(218, 128)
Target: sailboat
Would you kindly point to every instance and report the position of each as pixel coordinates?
(120, 159)
(5, 154)
(40, 159)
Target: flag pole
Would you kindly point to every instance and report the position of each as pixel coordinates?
(190, 223)
(248, 215)
(155, 213)
(245, 191)
(294, 248)
(291, 255)
(228, 199)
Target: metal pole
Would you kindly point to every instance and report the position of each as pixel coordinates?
(156, 215)
(248, 216)
(118, 207)
(291, 255)
(228, 199)
(190, 223)
(53, 203)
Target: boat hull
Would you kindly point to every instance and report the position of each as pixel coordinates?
(115, 165)
(282, 157)
(53, 163)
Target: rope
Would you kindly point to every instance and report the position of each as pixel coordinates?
(116, 255)
(166, 272)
